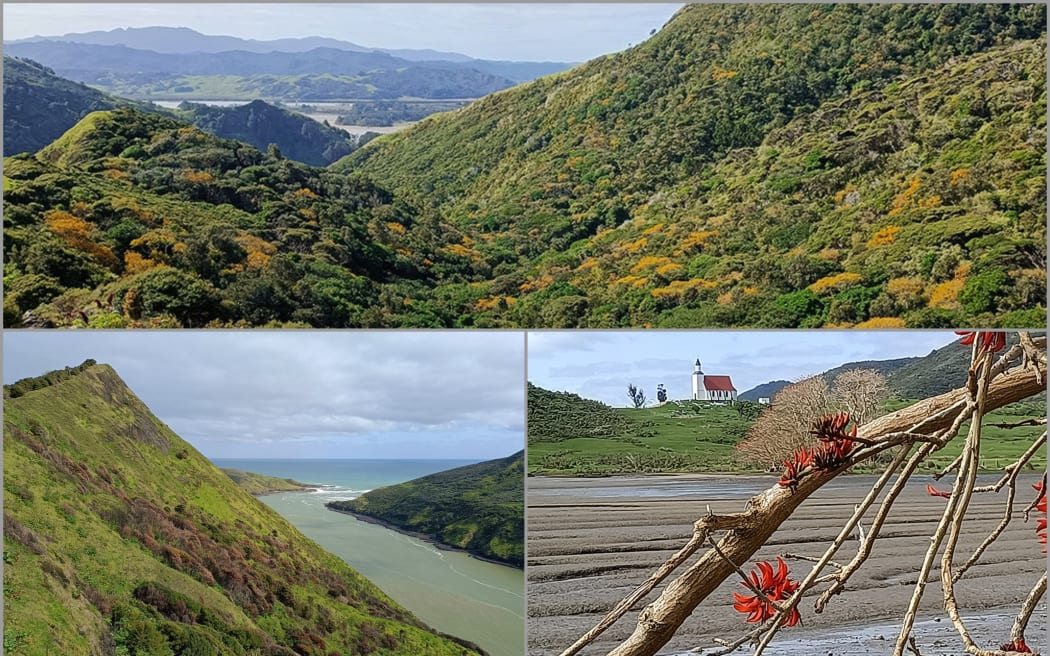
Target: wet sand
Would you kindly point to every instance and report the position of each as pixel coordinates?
(592, 541)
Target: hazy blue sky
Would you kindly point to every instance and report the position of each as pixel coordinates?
(309, 394)
(534, 32)
(600, 365)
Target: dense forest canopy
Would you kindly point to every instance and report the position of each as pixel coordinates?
(749, 165)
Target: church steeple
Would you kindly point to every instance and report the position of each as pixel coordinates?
(696, 367)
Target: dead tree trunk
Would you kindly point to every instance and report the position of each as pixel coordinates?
(749, 530)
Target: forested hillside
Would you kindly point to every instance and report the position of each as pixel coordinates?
(478, 507)
(119, 537)
(133, 219)
(39, 106)
(749, 165)
(765, 165)
(30, 87)
(260, 124)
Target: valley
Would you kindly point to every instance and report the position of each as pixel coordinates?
(449, 590)
(758, 166)
(120, 535)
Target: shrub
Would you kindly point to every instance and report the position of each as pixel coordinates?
(982, 291)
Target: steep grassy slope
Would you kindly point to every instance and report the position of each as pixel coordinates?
(761, 165)
(119, 537)
(478, 507)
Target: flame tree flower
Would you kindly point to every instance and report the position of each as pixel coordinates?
(1017, 646)
(775, 585)
(986, 340)
(934, 492)
(800, 459)
(836, 443)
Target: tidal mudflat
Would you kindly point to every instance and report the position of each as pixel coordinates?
(592, 541)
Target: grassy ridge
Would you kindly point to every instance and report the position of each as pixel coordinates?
(477, 507)
(758, 165)
(119, 535)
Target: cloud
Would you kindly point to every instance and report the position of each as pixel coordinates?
(280, 387)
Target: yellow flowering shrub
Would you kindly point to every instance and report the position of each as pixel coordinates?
(884, 237)
(882, 322)
(837, 282)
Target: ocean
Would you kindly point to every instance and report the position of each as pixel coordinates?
(450, 591)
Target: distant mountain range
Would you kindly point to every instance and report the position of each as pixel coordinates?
(908, 378)
(182, 40)
(163, 62)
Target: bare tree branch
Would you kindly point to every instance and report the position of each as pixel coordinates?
(931, 422)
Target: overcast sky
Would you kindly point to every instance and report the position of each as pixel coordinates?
(599, 365)
(310, 394)
(527, 32)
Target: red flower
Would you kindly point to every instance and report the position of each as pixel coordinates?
(987, 340)
(1017, 645)
(832, 427)
(800, 459)
(837, 443)
(775, 585)
(934, 492)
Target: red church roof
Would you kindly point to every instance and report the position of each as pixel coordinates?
(719, 383)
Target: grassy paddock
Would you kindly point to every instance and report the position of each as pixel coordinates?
(692, 438)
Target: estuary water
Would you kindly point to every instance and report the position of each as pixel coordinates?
(451, 591)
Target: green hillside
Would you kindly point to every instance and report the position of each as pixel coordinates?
(749, 165)
(257, 484)
(119, 537)
(260, 124)
(39, 106)
(478, 507)
(573, 436)
(576, 417)
(758, 165)
(132, 219)
(30, 87)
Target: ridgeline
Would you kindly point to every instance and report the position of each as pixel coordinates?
(119, 536)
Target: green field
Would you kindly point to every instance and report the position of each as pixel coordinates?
(693, 438)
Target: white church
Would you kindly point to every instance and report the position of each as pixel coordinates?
(712, 388)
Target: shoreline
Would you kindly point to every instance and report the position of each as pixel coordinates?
(422, 536)
(303, 487)
(593, 541)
